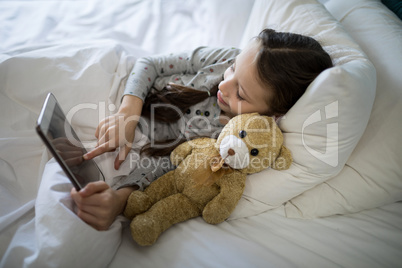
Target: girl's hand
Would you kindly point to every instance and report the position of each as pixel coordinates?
(112, 133)
(117, 131)
(99, 205)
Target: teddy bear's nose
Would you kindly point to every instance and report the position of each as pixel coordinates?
(231, 152)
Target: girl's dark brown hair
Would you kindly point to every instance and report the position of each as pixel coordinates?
(286, 64)
(179, 96)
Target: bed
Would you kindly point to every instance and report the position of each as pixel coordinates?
(339, 205)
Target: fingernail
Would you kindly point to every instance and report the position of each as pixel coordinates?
(85, 156)
(82, 191)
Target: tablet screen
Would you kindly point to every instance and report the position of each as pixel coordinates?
(65, 145)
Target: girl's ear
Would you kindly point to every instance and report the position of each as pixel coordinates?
(284, 160)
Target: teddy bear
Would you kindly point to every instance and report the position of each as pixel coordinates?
(209, 177)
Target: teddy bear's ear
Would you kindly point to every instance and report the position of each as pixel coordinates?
(284, 160)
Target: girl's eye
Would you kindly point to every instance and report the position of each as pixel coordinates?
(238, 96)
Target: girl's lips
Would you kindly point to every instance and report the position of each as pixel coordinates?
(221, 99)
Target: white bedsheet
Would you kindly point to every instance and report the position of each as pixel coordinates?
(82, 52)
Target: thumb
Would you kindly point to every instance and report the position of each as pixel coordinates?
(93, 188)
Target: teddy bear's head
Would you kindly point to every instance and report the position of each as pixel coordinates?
(251, 143)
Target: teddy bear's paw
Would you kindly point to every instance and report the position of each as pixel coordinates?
(137, 203)
(145, 230)
(215, 213)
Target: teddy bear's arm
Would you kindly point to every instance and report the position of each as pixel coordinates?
(180, 153)
(186, 148)
(221, 206)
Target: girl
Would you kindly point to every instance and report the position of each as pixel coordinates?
(267, 77)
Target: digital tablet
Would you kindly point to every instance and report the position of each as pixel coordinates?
(65, 146)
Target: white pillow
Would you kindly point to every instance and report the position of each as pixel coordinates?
(373, 174)
(217, 23)
(324, 126)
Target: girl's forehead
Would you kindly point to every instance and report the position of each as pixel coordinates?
(250, 51)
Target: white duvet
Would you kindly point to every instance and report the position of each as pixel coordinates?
(82, 52)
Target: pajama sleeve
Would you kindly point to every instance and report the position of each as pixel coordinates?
(147, 69)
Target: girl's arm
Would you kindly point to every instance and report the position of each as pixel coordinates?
(146, 70)
(117, 131)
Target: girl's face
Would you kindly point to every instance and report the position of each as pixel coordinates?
(240, 91)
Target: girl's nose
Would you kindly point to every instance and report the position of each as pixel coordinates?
(224, 87)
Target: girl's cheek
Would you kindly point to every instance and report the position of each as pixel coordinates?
(234, 107)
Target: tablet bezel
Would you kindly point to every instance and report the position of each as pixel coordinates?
(42, 126)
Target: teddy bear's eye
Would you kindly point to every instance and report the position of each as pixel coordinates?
(254, 152)
(242, 134)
